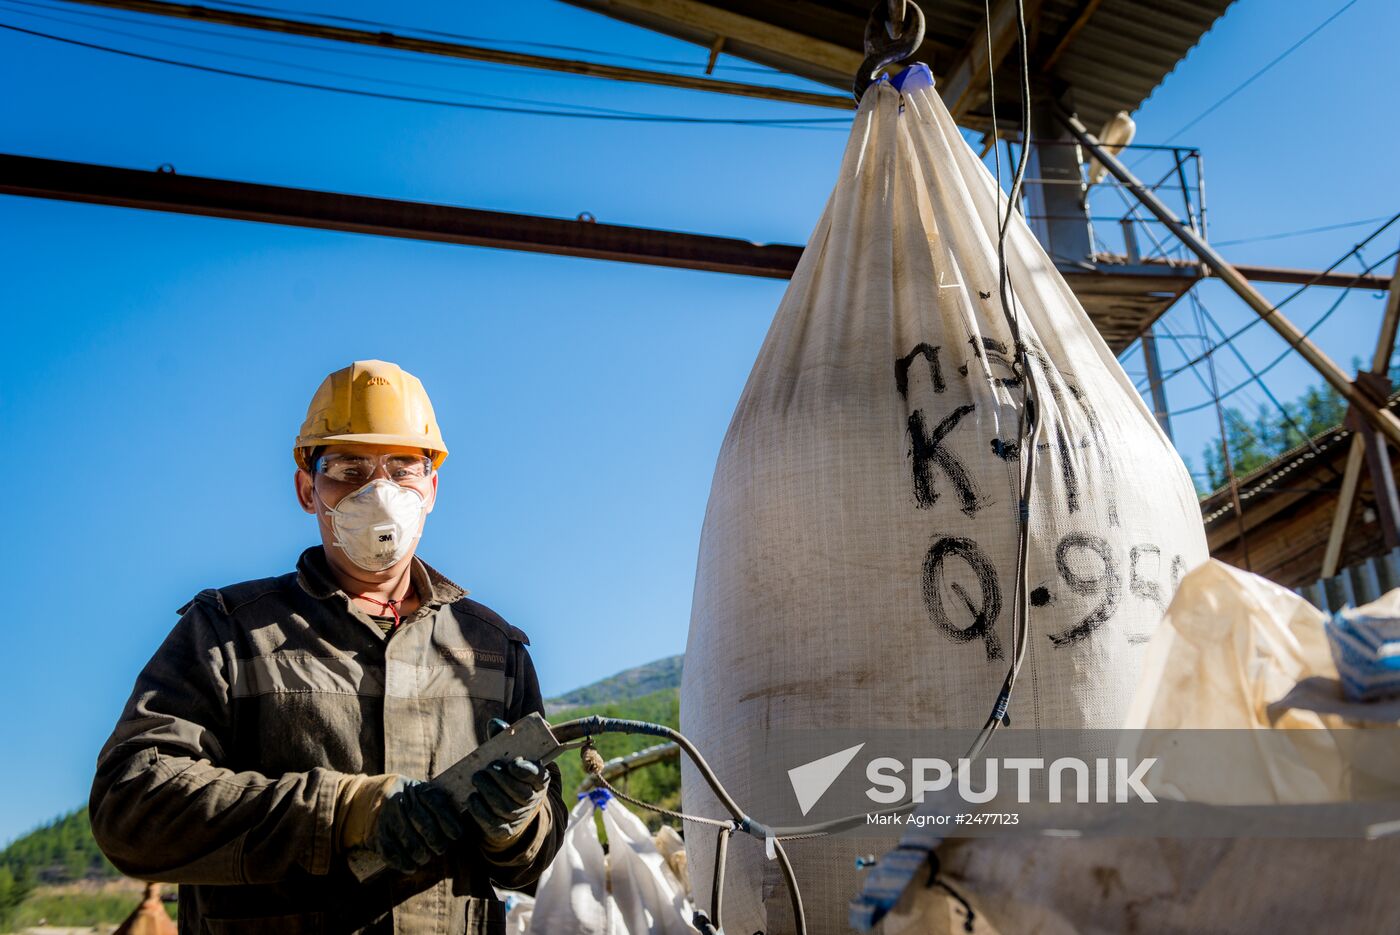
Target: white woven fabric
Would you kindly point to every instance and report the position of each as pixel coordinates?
(630, 891)
(572, 895)
(858, 555)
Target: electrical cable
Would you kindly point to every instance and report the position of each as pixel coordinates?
(1297, 233)
(460, 37)
(795, 123)
(1300, 290)
(306, 44)
(1232, 413)
(4, 4)
(1178, 342)
(1304, 437)
(585, 727)
(1281, 357)
(1226, 461)
(1028, 419)
(1250, 80)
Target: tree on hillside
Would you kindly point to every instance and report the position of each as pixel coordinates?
(12, 893)
(1255, 442)
(61, 851)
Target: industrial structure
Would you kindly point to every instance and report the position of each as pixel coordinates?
(1131, 242)
(1130, 247)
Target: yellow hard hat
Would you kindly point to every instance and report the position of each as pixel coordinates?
(370, 402)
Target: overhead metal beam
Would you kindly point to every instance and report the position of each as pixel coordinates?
(1300, 277)
(389, 40)
(166, 191)
(187, 194)
(1305, 277)
(963, 86)
(1374, 412)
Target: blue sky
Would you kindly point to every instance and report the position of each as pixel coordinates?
(161, 364)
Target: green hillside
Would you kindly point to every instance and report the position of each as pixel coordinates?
(59, 852)
(659, 783)
(649, 692)
(631, 683)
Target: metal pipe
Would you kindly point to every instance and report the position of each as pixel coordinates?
(388, 40)
(1154, 381)
(1382, 419)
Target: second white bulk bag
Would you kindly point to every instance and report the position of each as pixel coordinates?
(629, 890)
(858, 556)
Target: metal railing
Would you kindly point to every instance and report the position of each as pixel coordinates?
(1121, 229)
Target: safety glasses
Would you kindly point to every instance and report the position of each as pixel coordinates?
(361, 469)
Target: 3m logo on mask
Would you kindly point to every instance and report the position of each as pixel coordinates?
(377, 525)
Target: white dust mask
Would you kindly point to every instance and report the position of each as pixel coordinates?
(376, 525)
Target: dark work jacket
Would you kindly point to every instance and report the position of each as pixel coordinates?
(222, 773)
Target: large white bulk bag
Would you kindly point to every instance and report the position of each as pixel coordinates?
(858, 555)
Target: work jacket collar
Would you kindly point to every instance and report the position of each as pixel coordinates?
(433, 588)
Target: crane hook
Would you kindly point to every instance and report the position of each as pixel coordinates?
(888, 42)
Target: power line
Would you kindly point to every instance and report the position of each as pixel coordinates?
(405, 30)
(1195, 369)
(460, 37)
(211, 31)
(1251, 79)
(1257, 377)
(1301, 289)
(1297, 233)
(1204, 313)
(799, 123)
(298, 66)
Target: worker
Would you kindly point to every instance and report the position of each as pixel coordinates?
(286, 721)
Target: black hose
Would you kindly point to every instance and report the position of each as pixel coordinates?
(587, 726)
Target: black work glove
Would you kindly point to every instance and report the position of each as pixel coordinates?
(509, 793)
(417, 822)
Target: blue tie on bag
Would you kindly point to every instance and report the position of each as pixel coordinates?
(1365, 645)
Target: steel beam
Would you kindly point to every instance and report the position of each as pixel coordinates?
(166, 191)
(187, 194)
(388, 40)
(1374, 412)
(1283, 274)
(1304, 277)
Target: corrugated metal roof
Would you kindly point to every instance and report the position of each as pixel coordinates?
(1117, 53)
